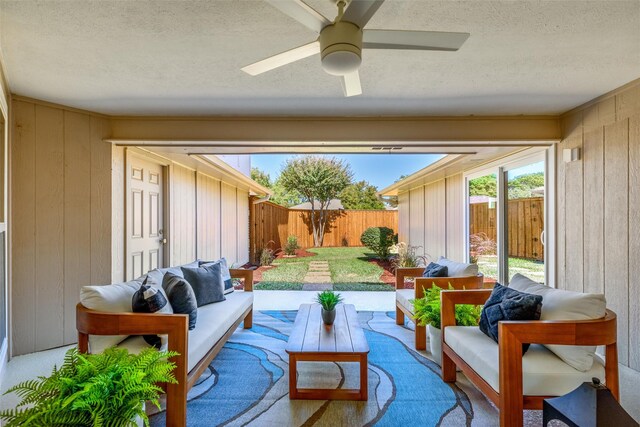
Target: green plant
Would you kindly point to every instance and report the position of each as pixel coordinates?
(328, 299)
(407, 257)
(267, 254)
(427, 310)
(291, 246)
(93, 390)
(379, 240)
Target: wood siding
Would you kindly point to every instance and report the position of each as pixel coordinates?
(598, 210)
(431, 217)
(274, 223)
(61, 215)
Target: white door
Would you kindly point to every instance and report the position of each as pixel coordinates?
(145, 232)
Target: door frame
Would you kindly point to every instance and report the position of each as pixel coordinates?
(130, 152)
(499, 167)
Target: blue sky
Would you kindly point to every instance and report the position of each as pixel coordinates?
(380, 170)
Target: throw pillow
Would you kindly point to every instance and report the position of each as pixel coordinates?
(435, 270)
(206, 282)
(459, 269)
(508, 304)
(115, 298)
(181, 297)
(149, 299)
(558, 304)
(225, 272)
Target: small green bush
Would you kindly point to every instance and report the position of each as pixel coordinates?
(291, 246)
(267, 254)
(379, 240)
(328, 299)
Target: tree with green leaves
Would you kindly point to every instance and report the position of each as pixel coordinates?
(484, 186)
(283, 197)
(360, 195)
(521, 186)
(318, 180)
(261, 177)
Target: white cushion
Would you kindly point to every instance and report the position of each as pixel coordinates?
(403, 296)
(458, 269)
(115, 298)
(559, 304)
(544, 374)
(214, 320)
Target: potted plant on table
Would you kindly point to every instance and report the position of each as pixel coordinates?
(328, 300)
(108, 389)
(427, 311)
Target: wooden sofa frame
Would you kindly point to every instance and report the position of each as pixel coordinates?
(511, 336)
(176, 326)
(422, 283)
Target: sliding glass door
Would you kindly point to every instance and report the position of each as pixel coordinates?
(506, 218)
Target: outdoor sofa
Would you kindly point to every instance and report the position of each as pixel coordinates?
(99, 323)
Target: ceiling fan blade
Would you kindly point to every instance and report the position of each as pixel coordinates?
(413, 40)
(283, 58)
(361, 11)
(351, 84)
(301, 12)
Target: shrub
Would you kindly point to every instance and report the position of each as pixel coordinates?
(267, 254)
(379, 240)
(407, 257)
(328, 299)
(481, 244)
(427, 310)
(291, 246)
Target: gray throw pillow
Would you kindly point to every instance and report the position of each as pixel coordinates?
(181, 297)
(206, 282)
(435, 270)
(508, 304)
(224, 271)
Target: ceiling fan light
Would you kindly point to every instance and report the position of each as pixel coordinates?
(341, 62)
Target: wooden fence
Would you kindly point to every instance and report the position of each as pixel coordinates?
(271, 222)
(525, 222)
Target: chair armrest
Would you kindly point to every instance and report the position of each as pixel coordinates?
(449, 299)
(407, 273)
(562, 332)
(459, 283)
(242, 273)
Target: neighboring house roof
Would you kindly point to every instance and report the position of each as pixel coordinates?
(334, 205)
(538, 191)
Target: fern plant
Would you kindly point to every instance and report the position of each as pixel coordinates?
(106, 389)
(427, 310)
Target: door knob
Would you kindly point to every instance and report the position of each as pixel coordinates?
(163, 241)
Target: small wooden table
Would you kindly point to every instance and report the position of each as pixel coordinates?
(312, 341)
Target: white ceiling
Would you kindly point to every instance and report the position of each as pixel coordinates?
(184, 57)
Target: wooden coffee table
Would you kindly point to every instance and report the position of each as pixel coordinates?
(312, 341)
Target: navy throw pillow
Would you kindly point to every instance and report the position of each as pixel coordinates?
(181, 296)
(206, 282)
(435, 270)
(148, 299)
(508, 304)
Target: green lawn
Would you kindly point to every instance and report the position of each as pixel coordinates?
(532, 269)
(350, 269)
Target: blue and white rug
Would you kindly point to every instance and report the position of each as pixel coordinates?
(248, 383)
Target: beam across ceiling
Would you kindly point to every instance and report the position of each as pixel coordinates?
(469, 131)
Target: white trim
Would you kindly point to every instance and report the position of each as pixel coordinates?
(4, 357)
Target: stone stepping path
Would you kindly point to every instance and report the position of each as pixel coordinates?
(318, 273)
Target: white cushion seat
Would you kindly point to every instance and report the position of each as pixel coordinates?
(213, 321)
(403, 296)
(544, 373)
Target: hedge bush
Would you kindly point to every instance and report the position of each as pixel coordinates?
(379, 240)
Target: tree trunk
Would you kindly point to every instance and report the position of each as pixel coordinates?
(316, 242)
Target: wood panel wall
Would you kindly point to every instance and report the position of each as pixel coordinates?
(208, 217)
(598, 209)
(431, 217)
(61, 215)
(183, 214)
(274, 223)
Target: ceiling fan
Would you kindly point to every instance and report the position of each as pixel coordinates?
(341, 42)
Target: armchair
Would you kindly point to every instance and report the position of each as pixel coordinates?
(509, 395)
